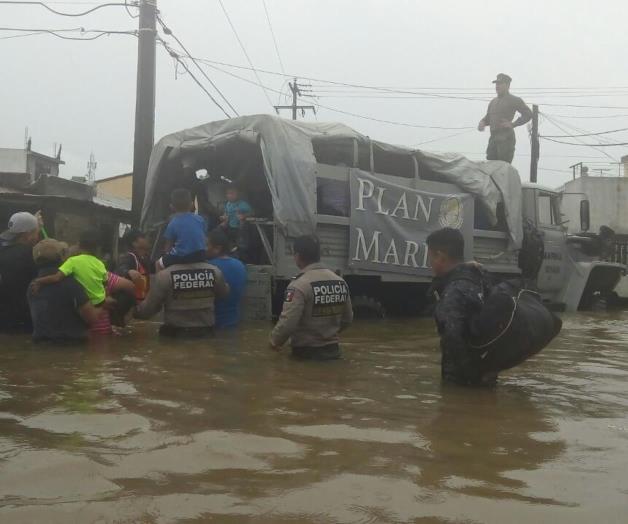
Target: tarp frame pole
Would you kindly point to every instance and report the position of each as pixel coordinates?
(416, 168)
(356, 153)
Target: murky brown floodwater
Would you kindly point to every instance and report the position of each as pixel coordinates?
(139, 430)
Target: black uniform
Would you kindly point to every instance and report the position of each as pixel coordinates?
(460, 296)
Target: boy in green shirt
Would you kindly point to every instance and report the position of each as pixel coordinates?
(85, 267)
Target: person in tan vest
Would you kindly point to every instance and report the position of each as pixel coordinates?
(316, 308)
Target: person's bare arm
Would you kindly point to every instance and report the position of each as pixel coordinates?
(124, 284)
(221, 288)
(47, 280)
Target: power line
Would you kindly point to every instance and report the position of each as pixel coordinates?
(126, 7)
(60, 13)
(441, 138)
(246, 54)
(589, 116)
(272, 32)
(582, 144)
(169, 32)
(356, 115)
(55, 32)
(587, 134)
(558, 125)
(387, 90)
(176, 56)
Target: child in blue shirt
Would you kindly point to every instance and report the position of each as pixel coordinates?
(236, 212)
(186, 234)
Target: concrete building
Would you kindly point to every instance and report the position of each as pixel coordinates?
(115, 190)
(119, 186)
(608, 198)
(28, 163)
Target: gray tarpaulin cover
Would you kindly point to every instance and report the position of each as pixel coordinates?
(289, 167)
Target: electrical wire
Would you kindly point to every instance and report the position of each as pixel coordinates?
(582, 144)
(333, 109)
(587, 134)
(385, 89)
(169, 32)
(179, 60)
(577, 130)
(442, 138)
(60, 13)
(590, 116)
(272, 32)
(246, 54)
(126, 7)
(55, 32)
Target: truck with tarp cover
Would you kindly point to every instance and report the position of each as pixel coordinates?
(371, 204)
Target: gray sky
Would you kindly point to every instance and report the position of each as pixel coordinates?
(82, 94)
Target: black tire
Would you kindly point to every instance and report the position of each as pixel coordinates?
(367, 307)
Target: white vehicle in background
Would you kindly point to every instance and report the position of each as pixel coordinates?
(372, 205)
(607, 198)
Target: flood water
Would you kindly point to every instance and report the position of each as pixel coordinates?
(142, 430)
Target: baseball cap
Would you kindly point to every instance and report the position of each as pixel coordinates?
(502, 78)
(49, 250)
(22, 222)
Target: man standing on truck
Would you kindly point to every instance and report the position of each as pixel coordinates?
(501, 111)
(317, 306)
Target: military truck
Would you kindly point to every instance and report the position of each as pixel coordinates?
(371, 204)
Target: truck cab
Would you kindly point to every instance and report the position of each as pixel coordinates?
(573, 274)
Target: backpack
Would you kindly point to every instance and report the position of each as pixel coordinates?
(512, 326)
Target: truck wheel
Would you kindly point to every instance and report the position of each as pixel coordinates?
(367, 307)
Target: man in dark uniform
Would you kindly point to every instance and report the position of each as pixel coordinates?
(316, 308)
(459, 290)
(501, 111)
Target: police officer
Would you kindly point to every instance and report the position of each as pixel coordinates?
(317, 306)
(501, 111)
(187, 293)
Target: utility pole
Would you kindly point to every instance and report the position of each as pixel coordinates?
(296, 93)
(534, 145)
(144, 101)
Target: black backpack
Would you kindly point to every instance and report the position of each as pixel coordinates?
(512, 325)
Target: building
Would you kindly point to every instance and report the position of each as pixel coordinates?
(119, 186)
(28, 163)
(608, 199)
(116, 190)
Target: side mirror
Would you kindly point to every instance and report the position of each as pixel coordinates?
(585, 215)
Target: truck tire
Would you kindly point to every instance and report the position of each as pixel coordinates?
(367, 307)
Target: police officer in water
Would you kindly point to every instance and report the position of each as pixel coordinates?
(316, 308)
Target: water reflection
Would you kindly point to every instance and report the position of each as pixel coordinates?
(139, 429)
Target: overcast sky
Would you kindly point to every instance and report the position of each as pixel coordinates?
(82, 94)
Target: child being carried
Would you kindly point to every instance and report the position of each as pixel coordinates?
(85, 267)
(186, 234)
